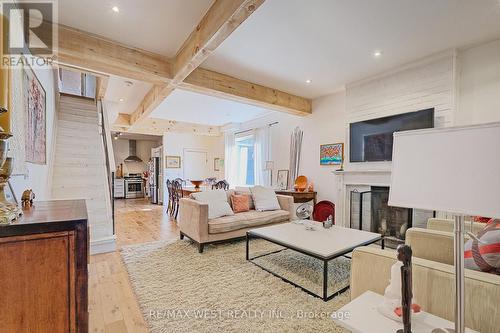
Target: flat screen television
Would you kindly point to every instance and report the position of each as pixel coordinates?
(371, 140)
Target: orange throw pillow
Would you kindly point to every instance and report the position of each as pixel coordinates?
(240, 203)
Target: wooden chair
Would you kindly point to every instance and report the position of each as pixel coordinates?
(177, 195)
(210, 181)
(222, 184)
(170, 200)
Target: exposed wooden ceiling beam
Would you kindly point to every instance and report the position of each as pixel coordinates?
(123, 121)
(90, 52)
(224, 86)
(223, 17)
(101, 86)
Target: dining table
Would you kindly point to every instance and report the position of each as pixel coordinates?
(188, 190)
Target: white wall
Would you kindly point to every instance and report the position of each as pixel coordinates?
(325, 125)
(121, 152)
(175, 143)
(29, 175)
(479, 83)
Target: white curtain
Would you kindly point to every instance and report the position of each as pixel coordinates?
(230, 163)
(261, 155)
(295, 150)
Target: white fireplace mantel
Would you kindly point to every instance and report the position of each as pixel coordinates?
(349, 178)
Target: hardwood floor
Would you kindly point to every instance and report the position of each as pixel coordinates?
(113, 306)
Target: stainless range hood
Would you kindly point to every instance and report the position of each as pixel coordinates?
(133, 152)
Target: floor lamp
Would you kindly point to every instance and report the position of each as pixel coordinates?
(452, 170)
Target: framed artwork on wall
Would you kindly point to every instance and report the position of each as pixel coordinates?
(282, 181)
(218, 164)
(331, 154)
(172, 162)
(35, 113)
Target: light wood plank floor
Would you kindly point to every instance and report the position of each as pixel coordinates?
(113, 306)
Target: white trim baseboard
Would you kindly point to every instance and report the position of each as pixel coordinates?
(103, 245)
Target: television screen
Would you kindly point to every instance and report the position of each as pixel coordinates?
(371, 140)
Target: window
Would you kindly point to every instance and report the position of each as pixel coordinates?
(245, 162)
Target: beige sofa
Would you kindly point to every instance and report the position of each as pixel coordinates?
(433, 279)
(449, 225)
(194, 223)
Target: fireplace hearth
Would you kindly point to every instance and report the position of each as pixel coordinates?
(370, 211)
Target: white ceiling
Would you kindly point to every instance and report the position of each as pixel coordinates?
(132, 94)
(159, 26)
(186, 106)
(331, 42)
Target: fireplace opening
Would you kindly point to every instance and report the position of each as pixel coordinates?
(370, 211)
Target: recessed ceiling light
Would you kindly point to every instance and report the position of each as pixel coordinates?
(121, 100)
(116, 9)
(377, 54)
(308, 81)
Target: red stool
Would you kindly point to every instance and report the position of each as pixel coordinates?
(322, 210)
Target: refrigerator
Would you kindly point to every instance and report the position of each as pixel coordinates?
(154, 180)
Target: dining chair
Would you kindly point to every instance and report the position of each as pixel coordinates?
(177, 195)
(170, 201)
(222, 184)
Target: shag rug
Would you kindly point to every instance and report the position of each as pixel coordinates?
(180, 290)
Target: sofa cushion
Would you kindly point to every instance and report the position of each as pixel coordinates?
(250, 199)
(264, 198)
(240, 203)
(217, 203)
(248, 219)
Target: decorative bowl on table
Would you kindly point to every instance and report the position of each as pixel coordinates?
(197, 183)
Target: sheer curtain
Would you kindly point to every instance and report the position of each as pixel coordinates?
(261, 155)
(230, 163)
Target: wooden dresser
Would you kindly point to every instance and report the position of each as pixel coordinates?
(43, 269)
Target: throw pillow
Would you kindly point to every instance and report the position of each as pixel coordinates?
(240, 203)
(248, 194)
(482, 252)
(264, 198)
(217, 203)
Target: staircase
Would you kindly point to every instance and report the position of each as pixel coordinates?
(79, 170)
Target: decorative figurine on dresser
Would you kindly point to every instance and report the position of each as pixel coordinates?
(27, 198)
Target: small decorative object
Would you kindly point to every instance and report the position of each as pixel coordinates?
(404, 255)
(34, 101)
(27, 198)
(482, 251)
(300, 183)
(310, 187)
(216, 164)
(328, 223)
(282, 179)
(8, 211)
(172, 162)
(331, 154)
(399, 290)
(304, 211)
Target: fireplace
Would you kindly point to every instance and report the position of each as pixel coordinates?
(370, 212)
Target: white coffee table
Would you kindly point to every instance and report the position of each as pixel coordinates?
(361, 316)
(322, 244)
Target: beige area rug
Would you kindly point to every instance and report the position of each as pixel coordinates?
(180, 290)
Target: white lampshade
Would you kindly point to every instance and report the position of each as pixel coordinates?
(453, 169)
(269, 165)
